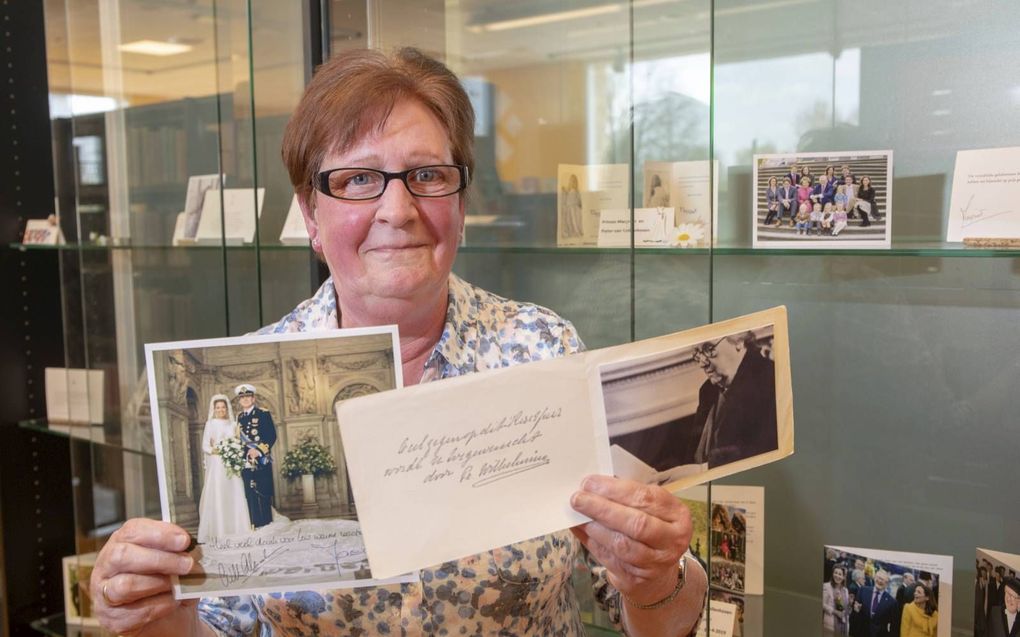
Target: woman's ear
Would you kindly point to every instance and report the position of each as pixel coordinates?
(311, 225)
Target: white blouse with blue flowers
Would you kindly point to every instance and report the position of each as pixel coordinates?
(519, 590)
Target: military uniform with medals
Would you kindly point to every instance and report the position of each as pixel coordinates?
(259, 433)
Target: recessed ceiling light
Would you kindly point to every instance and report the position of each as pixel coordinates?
(154, 47)
(547, 18)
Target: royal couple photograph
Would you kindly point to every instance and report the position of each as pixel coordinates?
(237, 490)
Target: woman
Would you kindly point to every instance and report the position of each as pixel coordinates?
(803, 196)
(866, 201)
(571, 220)
(850, 189)
(920, 619)
(830, 174)
(835, 603)
(222, 509)
(379, 151)
(659, 197)
(772, 201)
(805, 171)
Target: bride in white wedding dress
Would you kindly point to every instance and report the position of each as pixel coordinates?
(222, 509)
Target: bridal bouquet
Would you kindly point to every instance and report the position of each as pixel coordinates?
(234, 455)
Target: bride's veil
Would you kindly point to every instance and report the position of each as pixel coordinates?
(212, 405)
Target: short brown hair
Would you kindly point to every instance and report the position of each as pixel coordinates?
(354, 92)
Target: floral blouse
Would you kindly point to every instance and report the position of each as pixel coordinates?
(519, 590)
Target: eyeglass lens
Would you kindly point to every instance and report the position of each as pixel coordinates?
(364, 183)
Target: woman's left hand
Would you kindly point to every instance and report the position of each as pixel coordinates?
(638, 532)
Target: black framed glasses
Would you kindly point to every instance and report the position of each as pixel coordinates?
(705, 352)
(361, 184)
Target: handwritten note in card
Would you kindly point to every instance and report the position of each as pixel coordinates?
(524, 449)
(986, 194)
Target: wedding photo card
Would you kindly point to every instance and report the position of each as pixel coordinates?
(683, 186)
(823, 200)
(583, 191)
(986, 192)
(464, 456)
(250, 461)
(871, 591)
(996, 593)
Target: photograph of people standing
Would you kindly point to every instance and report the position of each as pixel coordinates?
(258, 434)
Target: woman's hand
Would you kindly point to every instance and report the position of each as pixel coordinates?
(638, 532)
(131, 586)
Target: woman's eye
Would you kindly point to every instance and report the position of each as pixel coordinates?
(360, 179)
(426, 174)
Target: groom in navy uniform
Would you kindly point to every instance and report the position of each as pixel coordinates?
(258, 435)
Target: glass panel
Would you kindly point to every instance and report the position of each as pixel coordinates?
(901, 381)
(144, 97)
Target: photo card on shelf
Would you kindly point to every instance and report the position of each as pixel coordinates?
(985, 200)
(683, 186)
(871, 591)
(652, 228)
(583, 191)
(250, 461)
(841, 199)
(732, 536)
(77, 571)
(187, 222)
(232, 221)
(294, 231)
(996, 593)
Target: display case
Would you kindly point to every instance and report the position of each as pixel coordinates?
(904, 358)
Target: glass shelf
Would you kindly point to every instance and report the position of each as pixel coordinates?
(898, 249)
(43, 426)
(55, 626)
(127, 246)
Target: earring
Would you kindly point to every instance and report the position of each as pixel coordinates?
(316, 244)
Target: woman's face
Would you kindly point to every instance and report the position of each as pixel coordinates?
(838, 576)
(866, 182)
(919, 596)
(396, 247)
(772, 182)
(220, 410)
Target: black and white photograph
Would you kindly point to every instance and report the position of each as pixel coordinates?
(823, 200)
(694, 409)
(250, 458)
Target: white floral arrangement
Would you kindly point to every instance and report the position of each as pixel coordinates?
(234, 455)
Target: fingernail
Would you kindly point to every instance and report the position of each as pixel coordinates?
(587, 483)
(183, 542)
(185, 565)
(578, 500)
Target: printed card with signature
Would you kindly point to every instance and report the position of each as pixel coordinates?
(986, 195)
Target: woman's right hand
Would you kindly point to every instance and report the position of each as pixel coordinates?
(132, 592)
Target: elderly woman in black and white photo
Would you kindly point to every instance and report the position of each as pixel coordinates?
(380, 153)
